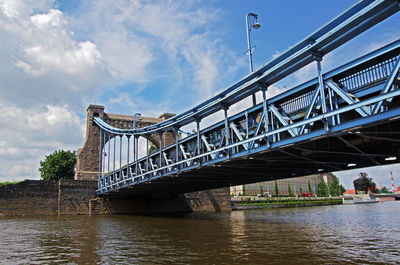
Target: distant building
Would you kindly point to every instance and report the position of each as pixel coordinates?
(349, 192)
(297, 185)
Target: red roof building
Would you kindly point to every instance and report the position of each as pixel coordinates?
(349, 192)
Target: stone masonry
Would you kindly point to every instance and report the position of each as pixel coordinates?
(87, 166)
(77, 197)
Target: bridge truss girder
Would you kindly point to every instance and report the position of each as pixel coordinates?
(340, 112)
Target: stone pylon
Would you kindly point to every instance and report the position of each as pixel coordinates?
(87, 165)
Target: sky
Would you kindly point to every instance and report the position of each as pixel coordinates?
(57, 57)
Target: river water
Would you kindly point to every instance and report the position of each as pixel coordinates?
(341, 234)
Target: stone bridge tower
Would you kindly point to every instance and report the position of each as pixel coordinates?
(87, 164)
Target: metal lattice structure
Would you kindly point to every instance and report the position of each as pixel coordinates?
(308, 129)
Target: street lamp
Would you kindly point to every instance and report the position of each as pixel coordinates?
(136, 118)
(251, 22)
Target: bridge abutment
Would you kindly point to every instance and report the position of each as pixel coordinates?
(200, 201)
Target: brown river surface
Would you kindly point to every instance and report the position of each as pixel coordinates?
(341, 234)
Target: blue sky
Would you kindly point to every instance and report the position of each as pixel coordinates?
(142, 56)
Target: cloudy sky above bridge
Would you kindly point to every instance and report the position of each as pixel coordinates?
(141, 56)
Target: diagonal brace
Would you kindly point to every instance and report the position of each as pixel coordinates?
(387, 86)
(362, 111)
(274, 110)
(310, 109)
(238, 134)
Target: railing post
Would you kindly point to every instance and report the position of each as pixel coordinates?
(225, 107)
(160, 150)
(114, 178)
(336, 101)
(109, 151)
(265, 109)
(128, 173)
(120, 157)
(135, 154)
(246, 114)
(177, 145)
(147, 154)
(103, 156)
(318, 58)
(330, 95)
(198, 138)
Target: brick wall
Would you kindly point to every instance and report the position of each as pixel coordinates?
(74, 196)
(77, 197)
(31, 197)
(37, 197)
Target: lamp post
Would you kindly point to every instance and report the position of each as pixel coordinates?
(136, 118)
(251, 22)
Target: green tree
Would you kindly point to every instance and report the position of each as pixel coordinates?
(384, 190)
(244, 190)
(341, 189)
(261, 191)
(289, 190)
(363, 183)
(276, 188)
(322, 189)
(301, 191)
(58, 165)
(336, 189)
(152, 148)
(309, 188)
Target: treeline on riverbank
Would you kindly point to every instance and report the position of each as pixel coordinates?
(244, 203)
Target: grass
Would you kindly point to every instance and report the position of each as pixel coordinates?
(290, 202)
(9, 183)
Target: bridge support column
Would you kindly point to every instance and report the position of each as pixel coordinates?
(227, 133)
(200, 201)
(267, 128)
(318, 59)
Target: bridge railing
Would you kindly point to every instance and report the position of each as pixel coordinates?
(368, 76)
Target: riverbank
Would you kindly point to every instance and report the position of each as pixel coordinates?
(255, 202)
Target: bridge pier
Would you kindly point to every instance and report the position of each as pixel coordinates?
(201, 201)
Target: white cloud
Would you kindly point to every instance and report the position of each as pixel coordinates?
(18, 9)
(41, 62)
(169, 36)
(27, 135)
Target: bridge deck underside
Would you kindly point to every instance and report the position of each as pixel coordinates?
(350, 149)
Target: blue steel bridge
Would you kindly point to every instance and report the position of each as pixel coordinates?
(342, 119)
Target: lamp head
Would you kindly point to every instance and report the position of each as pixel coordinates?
(136, 118)
(256, 25)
